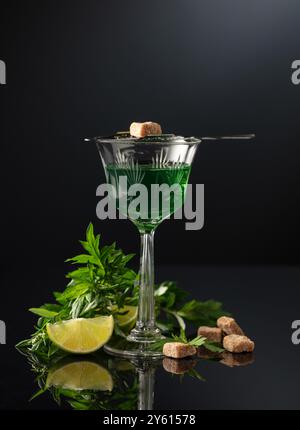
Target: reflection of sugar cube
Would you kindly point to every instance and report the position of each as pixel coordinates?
(178, 367)
(233, 360)
(178, 350)
(142, 129)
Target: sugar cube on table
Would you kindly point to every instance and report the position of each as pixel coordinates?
(213, 334)
(229, 326)
(238, 343)
(178, 350)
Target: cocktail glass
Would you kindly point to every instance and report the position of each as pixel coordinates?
(132, 162)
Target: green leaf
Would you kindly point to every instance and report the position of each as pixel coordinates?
(72, 292)
(164, 327)
(179, 319)
(43, 312)
(202, 313)
(213, 347)
(52, 307)
(198, 341)
(181, 338)
(161, 290)
(77, 307)
(127, 258)
(38, 393)
(119, 332)
(92, 243)
(83, 273)
(83, 259)
(90, 237)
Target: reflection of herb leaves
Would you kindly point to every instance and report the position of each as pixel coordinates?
(193, 373)
(123, 397)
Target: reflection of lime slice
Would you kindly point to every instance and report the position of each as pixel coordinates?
(80, 375)
(128, 316)
(81, 335)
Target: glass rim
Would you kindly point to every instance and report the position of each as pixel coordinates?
(166, 139)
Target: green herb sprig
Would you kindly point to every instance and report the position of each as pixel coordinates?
(197, 342)
(102, 281)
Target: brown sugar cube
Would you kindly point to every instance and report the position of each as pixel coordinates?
(178, 367)
(213, 334)
(237, 343)
(142, 129)
(178, 350)
(229, 326)
(233, 360)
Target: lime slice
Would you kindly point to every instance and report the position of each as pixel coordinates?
(81, 335)
(80, 375)
(128, 319)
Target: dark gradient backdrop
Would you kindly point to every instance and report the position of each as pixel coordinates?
(82, 68)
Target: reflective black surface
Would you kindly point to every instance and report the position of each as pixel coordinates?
(264, 300)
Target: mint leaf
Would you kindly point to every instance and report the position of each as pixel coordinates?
(83, 259)
(213, 347)
(43, 312)
(198, 341)
(202, 313)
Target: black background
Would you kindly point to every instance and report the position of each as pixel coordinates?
(84, 68)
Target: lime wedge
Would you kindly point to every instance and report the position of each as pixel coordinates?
(81, 335)
(81, 375)
(126, 316)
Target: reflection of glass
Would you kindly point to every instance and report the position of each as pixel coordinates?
(146, 374)
(164, 159)
(100, 382)
(93, 382)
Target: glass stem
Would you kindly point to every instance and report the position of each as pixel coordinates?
(145, 330)
(146, 317)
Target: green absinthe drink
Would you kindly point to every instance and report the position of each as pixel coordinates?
(150, 193)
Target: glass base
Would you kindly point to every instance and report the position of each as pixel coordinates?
(145, 335)
(121, 347)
